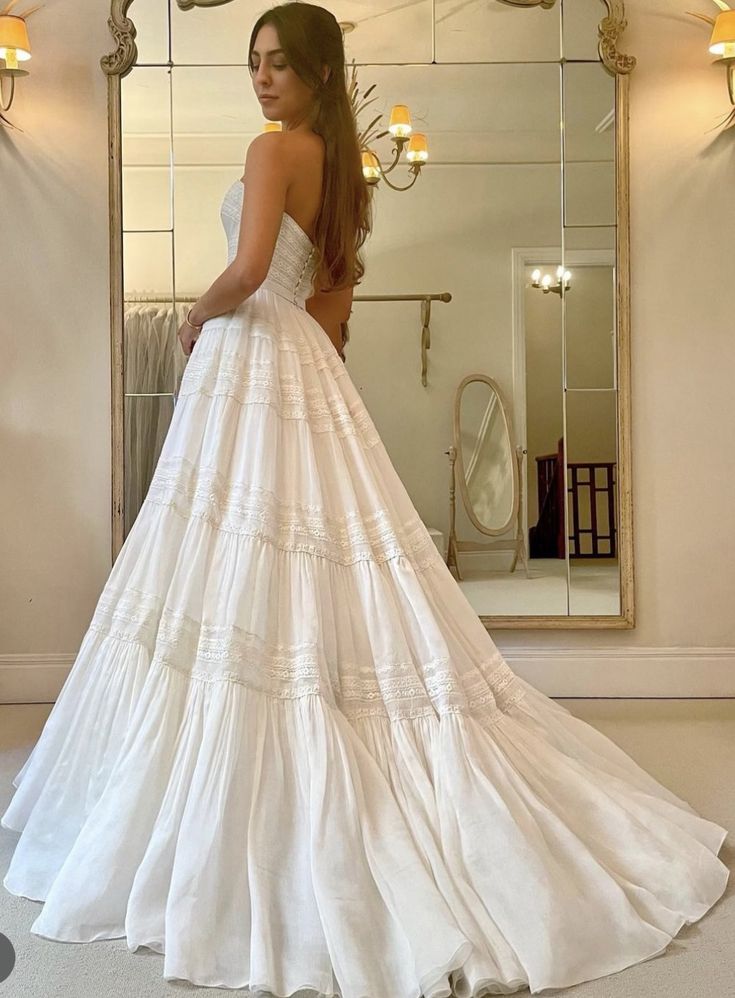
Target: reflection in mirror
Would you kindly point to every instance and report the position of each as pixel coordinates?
(592, 519)
(388, 34)
(151, 365)
(213, 121)
(486, 455)
(495, 32)
(579, 29)
(147, 180)
(589, 145)
(151, 20)
(589, 320)
(541, 385)
(486, 466)
(525, 124)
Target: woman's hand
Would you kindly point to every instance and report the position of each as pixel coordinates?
(187, 337)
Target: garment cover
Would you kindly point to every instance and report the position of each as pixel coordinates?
(289, 756)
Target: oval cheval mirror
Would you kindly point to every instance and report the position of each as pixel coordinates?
(487, 466)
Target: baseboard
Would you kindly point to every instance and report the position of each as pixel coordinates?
(557, 672)
(630, 672)
(33, 678)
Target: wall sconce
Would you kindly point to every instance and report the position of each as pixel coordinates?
(401, 131)
(722, 44)
(399, 128)
(14, 48)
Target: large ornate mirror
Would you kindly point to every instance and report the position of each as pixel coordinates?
(519, 219)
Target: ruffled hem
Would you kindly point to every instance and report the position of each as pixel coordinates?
(270, 843)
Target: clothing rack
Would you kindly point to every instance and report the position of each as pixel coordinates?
(425, 299)
(186, 299)
(162, 298)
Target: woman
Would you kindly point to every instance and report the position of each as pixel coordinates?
(312, 170)
(288, 754)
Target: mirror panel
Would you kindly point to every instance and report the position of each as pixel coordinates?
(580, 19)
(589, 320)
(151, 369)
(497, 32)
(151, 20)
(590, 237)
(149, 363)
(147, 178)
(589, 144)
(148, 264)
(211, 36)
(543, 496)
(592, 501)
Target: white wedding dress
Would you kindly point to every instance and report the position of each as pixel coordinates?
(289, 756)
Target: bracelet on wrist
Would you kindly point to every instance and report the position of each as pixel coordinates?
(193, 324)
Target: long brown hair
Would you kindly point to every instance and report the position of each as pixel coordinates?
(311, 37)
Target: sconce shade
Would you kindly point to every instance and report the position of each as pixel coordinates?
(370, 165)
(14, 35)
(722, 41)
(272, 126)
(400, 120)
(417, 150)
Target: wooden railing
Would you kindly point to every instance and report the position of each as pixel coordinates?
(546, 538)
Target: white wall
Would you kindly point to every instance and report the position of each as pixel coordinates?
(55, 443)
(54, 335)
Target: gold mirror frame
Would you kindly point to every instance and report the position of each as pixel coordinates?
(119, 63)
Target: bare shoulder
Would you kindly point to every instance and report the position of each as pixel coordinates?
(306, 153)
(291, 152)
(265, 149)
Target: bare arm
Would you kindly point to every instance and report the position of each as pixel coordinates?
(268, 177)
(330, 311)
(224, 294)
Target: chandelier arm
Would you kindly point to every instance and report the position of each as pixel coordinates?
(396, 157)
(3, 105)
(407, 187)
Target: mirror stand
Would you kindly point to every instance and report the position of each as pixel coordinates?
(454, 545)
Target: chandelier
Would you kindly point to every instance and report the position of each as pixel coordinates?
(560, 287)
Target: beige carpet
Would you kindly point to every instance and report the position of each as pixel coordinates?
(689, 745)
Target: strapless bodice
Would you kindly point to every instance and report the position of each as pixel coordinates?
(291, 272)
